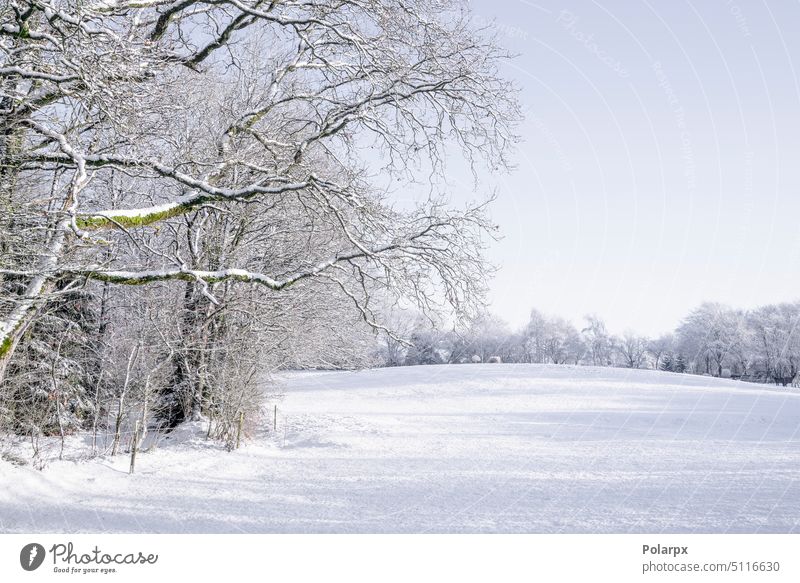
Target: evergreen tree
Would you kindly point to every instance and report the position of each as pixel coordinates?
(680, 364)
(667, 362)
(424, 349)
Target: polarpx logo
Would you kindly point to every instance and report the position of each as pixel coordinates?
(31, 556)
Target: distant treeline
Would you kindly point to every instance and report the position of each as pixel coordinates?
(761, 345)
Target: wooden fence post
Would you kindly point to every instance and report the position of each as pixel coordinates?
(134, 445)
(239, 432)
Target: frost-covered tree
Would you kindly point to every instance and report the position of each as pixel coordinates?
(533, 336)
(774, 341)
(487, 335)
(562, 342)
(220, 146)
(425, 346)
(598, 341)
(632, 348)
(660, 348)
(711, 335)
(550, 339)
(393, 348)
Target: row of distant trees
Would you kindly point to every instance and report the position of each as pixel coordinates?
(761, 345)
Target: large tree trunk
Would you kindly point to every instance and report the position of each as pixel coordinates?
(189, 362)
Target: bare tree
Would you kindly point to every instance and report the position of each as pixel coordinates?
(562, 342)
(598, 340)
(660, 346)
(632, 349)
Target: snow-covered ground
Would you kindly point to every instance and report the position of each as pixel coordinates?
(469, 448)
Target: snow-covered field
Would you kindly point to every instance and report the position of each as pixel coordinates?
(470, 448)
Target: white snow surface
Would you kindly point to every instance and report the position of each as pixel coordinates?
(465, 448)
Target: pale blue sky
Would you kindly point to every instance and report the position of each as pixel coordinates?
(660, 162)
